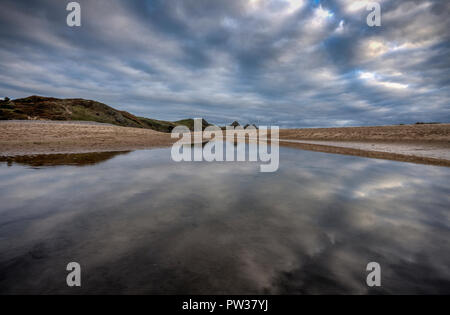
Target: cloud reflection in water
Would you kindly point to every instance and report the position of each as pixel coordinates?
(139, 223)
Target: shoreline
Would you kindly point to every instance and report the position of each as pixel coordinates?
(42, 137)
(431, 143)
(373, 154)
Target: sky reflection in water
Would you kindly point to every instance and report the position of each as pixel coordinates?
(140, 223)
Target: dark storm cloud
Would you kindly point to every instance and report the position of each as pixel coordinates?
(286, 62)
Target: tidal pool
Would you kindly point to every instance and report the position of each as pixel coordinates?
(139, 223)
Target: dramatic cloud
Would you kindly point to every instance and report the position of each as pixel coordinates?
(294, 63)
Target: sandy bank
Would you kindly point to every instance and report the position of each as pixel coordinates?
(398, 133)
(422, 153)
(21, 138)
(421, 143)
(427, 144)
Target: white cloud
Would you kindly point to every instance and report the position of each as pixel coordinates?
(374, 79)
(291, 62)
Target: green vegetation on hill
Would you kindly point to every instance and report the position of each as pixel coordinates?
(38, 108)
(190, 123)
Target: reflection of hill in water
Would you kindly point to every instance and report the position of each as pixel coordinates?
(75, 159)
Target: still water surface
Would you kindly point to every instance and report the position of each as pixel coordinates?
(139, 223)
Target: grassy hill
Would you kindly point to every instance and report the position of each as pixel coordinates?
(48, 108)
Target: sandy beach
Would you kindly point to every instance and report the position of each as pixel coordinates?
(433, 133)
(426, 144)
(49, 137)
(419, 143)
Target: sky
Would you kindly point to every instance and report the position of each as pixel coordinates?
(291, 63)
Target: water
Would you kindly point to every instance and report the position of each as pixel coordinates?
(139, 223)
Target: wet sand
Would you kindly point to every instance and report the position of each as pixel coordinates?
(421, 153)
(420, 149)
(425, 144)
(419, 143)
